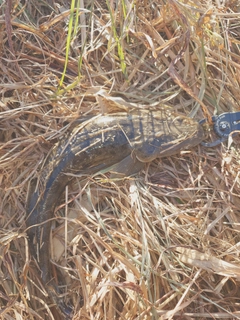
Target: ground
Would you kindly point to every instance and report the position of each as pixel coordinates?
(163, 244)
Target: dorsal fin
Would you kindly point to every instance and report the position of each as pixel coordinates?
(113, 104)
(109, 104)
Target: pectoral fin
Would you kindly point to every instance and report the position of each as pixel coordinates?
(126, 167)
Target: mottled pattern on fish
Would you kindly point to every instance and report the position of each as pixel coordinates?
(127, 139)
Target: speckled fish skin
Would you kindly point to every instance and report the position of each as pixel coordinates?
(98, 144)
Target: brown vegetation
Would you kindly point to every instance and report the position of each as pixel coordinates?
(163, 244)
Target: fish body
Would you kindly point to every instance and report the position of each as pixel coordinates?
(120, 140)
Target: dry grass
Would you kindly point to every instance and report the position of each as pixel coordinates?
(163, 244)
